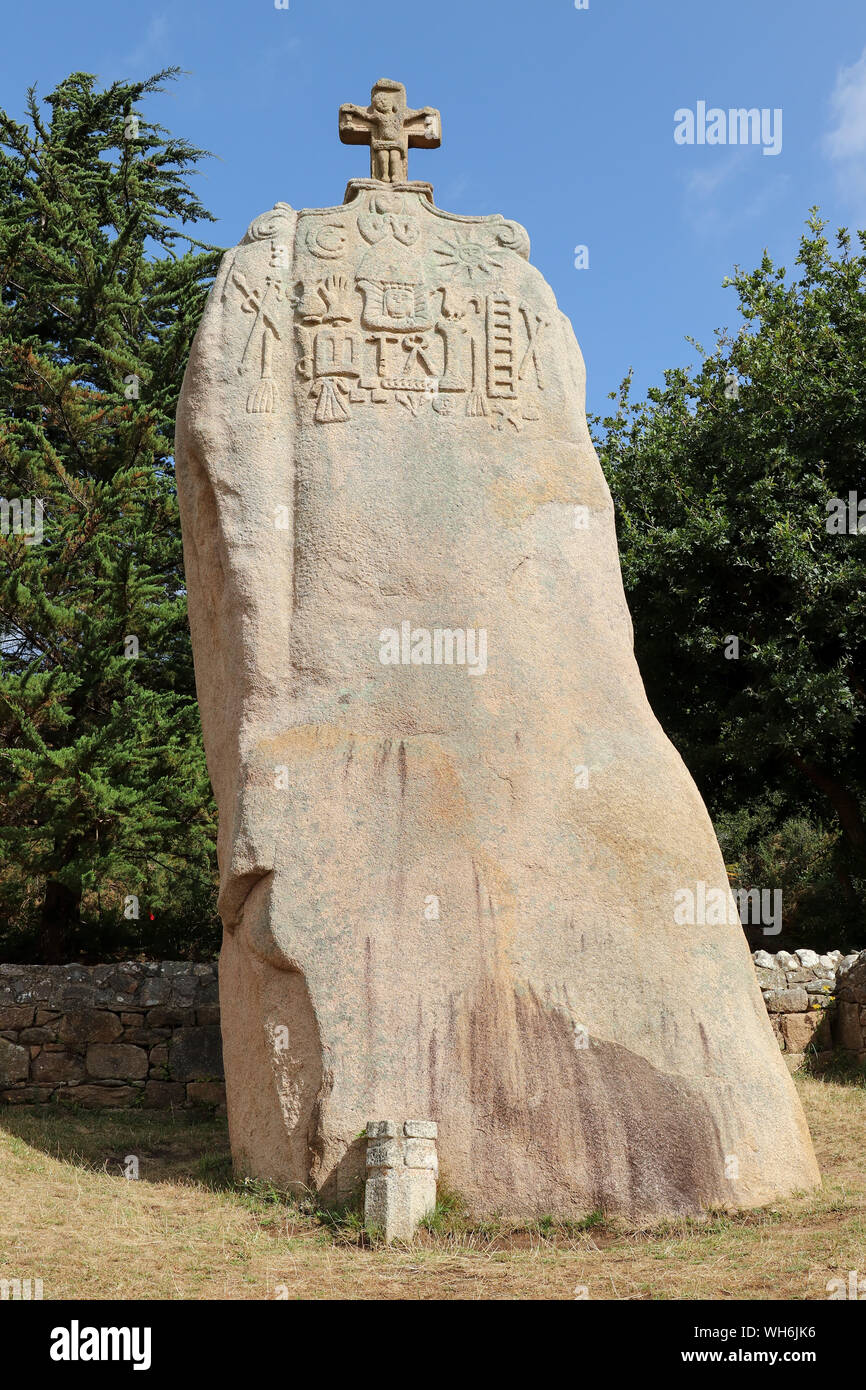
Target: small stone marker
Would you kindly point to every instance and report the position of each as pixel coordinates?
(402, 1168)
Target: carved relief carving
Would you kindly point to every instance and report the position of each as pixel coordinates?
(269, 224)
(384, 216)
(261, 303)
(401, 328)
(390, 127)
(327, 240)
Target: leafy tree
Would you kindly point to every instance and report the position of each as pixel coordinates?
(103, 789)
(724, 481)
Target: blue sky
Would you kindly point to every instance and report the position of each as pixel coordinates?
(561, 118)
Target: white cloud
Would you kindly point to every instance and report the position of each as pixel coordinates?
(847, 140)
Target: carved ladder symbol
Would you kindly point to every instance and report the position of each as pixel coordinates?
(501, 380)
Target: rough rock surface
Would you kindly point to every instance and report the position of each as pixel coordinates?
(446, 891)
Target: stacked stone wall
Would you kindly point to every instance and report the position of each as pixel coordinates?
(148, 1033)
(134, 1033)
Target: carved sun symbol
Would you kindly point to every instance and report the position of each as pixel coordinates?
(468, 258)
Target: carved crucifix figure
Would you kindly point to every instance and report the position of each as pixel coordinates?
(389, 127)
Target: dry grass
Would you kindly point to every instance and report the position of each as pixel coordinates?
(183, 1230)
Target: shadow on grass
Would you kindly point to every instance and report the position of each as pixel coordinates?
(166, 1143)
(192, 1147)
(842, 1069)
(176, 1146)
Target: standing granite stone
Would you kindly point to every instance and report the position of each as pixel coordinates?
(451, 828)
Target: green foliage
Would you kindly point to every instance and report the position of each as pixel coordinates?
(103, 786)
(800, 855)
(722, 480)
(450, 1215)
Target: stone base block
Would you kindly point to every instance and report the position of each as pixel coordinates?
(396, 1202)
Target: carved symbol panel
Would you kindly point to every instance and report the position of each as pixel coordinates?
(267, 302)
(413, 317)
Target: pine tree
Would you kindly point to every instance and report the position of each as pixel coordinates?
(104, 796)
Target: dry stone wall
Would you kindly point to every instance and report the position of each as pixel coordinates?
(803, 992)
(134, 1033)
(849, 1016)
(147, 1033)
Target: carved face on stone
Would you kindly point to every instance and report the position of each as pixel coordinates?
(384, 104)
(399, 301)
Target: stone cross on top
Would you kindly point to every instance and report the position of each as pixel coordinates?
(389, 127)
